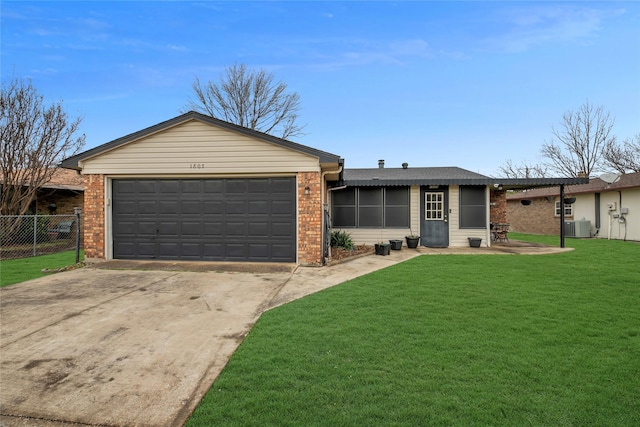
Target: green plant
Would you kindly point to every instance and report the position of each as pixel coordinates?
(341, 239)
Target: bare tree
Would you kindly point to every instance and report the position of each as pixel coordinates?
(251, 99)
(524, 170)
(579, 142)
(35, 138)
(623, 158)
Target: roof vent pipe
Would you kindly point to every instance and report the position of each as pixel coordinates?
(405, 165)
(381, 163)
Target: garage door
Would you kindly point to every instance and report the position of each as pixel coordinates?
(205, 219)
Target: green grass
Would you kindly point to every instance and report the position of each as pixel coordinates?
(515, 340)
(19, 270)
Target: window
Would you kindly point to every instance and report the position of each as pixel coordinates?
(473, 207)
(568, 209)
(371, 207)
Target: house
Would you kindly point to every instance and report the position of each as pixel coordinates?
(445, 206)
(60, 195)
(198, 188)
(603, 208)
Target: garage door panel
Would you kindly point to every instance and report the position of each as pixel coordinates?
(213, 207)
(282, 229)
(213, 229)
(190, 207)
(169, 207)
(191, 229)
(205, 219)
(282, 207)
(236, 186)
(259, 229)
(168, 229)
(167, 186)
(147, 207)
(146, 186)
(238, 207)
(147, 228)
(258, 207)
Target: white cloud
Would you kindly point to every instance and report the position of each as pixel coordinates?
(525, 28)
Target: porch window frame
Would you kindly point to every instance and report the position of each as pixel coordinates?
(384, 208)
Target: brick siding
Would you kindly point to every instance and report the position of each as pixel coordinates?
(498, 206)
(536, 218)
(94, 222)
(309, 219)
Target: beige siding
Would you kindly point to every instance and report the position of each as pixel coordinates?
(612, 227)
(371, 236)
(415, 210)
(198, 148)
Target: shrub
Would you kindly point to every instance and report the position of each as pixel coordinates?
(341, 239)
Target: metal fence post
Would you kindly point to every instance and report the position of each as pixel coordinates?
(77, 211)
(35, 234)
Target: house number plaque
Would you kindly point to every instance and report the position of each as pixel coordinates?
(196, 165)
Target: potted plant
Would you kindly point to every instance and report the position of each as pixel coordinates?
(412, 240)
(383, 248)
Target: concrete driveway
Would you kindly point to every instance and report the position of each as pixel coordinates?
(135, 348)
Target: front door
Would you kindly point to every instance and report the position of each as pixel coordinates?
(434, 223)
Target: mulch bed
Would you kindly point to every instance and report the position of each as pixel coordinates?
(341, 254)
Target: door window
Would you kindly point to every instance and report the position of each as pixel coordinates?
(434, 206)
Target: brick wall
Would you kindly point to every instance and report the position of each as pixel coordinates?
(309, 219)
(498, 206)
(536, 218)
(94, 222)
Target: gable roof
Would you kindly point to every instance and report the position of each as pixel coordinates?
(595, 185)
(73, 161)
(65, 179)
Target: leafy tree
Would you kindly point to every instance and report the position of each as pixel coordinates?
(35, 138)
(578, 144)
(623, 158)
(249, 98)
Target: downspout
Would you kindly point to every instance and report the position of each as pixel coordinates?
(324, 204)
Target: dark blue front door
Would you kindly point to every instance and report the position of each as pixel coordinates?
(434, 222)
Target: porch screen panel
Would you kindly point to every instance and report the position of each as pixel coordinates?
(473, 207)
(370, 207)
(343, 210)
(396, 207)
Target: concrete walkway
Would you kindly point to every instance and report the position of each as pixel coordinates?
(139, 344)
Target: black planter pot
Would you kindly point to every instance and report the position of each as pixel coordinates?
(383, 248)
(474, 242)
(569, 200)
(412, 242)
(396, 245)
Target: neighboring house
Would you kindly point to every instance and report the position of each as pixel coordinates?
(198, 188)
(611, 209)
(60, 195)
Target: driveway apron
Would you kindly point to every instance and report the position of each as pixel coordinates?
(104, 347)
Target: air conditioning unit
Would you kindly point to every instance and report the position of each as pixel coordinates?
(580, 228)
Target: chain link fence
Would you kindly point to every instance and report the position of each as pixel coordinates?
(23, 236)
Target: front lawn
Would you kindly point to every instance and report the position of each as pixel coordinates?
(449, 340)
(19, 270)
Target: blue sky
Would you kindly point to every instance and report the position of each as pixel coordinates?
(455, 83)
